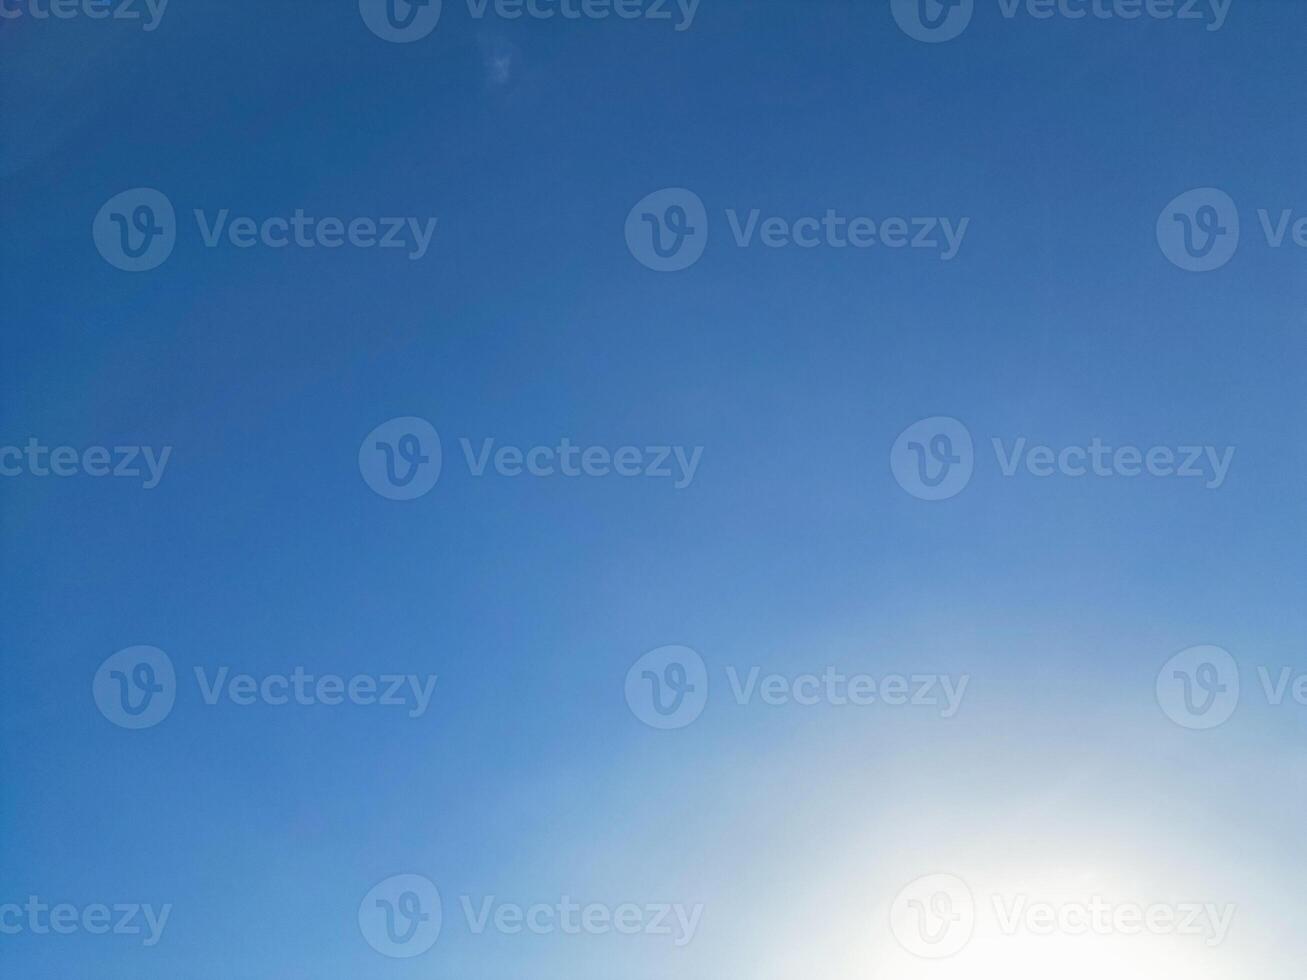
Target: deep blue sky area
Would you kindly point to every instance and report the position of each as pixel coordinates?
(531, 319)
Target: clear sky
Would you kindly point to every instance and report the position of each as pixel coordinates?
(792, 549)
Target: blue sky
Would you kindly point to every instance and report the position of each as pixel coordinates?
(529, 320)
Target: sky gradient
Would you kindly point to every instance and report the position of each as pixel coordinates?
(793, 549)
